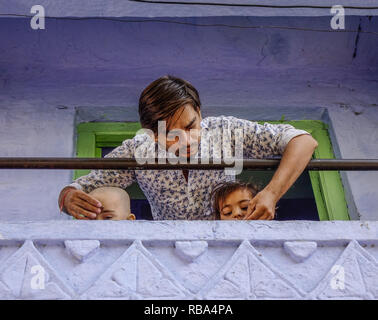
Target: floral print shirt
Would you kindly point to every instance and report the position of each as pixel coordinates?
(168, 192)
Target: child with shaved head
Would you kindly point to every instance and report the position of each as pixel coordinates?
(115, 203)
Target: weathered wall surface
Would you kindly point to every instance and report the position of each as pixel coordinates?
(120, 8)
(94, 70)
(100, 67)
(189, 260)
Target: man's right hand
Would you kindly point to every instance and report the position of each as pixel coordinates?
(81, 205)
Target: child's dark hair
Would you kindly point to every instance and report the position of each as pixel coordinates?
(223, 189)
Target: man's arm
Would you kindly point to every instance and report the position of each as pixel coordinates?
(295, 158)
(74, 197)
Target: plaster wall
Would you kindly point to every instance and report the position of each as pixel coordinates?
(120, 8)
(94, 70)
(188, 260)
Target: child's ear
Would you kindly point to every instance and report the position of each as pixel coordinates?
(131, 217)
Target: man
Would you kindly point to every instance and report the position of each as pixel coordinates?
(183, 194)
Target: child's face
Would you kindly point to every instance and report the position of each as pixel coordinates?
(235, 205)
(113, 208)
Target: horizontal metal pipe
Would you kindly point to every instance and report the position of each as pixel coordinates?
(131, 164)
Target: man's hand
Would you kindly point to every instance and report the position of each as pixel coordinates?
(296, 156)
(81, 205)
(262, 206)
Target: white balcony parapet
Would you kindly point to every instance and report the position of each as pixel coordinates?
(189, 260)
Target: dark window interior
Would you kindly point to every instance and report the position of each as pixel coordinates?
(297, 204)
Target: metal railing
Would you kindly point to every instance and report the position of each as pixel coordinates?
(132, 164)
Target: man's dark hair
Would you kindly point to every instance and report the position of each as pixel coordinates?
(163, 97)
(223, 189)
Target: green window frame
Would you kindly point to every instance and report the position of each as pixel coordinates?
(327, 185)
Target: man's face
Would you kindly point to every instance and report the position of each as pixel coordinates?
(235, 205)
(183, 131)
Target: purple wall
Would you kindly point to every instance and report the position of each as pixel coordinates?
(250, 73)
(68, 52)
(94, 70)
(122, 8)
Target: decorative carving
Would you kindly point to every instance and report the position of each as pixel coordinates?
(136, 275)
(190, 250)
(249, 276)
(29, 276)
(218, 272)
(82, 250)
(299, 251)
(5, 293)
(353, 276)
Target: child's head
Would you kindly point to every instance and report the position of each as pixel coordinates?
(230, 199)
(115, 202)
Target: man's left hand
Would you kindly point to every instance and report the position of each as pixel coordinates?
(262, 206)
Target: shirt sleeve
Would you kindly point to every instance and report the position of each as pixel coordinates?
(109, 178)
(263, 140)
